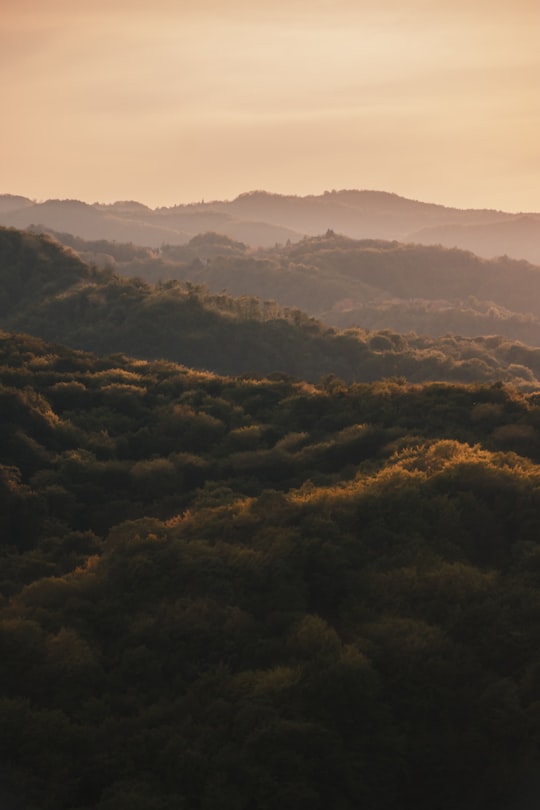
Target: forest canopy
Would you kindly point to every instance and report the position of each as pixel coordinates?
(261, 593)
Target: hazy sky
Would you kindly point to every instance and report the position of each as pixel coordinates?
(169, 101)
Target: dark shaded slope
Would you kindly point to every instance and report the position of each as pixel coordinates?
(33, 267)
(258, 593)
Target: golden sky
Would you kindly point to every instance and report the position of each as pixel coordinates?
(169, 101)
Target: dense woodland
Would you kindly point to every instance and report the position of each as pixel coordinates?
(259, 591)
(428, 290)
(49, 292)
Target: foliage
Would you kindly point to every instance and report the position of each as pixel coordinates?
(368, 283)
(261, 593)
(49, 292)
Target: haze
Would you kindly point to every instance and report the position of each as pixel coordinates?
(170, 102)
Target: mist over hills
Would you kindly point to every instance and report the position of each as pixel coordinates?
(263, 219)
(373, 284)
(46, 290)
(516, 236)
(134, 222)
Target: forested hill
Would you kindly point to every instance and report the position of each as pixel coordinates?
(48, 291)
(345, 282)
(260, 593)
(259, 218)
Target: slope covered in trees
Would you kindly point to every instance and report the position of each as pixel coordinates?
(49, 292)
(345, 283)
(259, 593)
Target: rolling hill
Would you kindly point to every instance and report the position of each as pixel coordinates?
(261, 593)
(262, 219)
(46, 290)
(373, 284)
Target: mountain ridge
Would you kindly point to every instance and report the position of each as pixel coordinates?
(263, 218)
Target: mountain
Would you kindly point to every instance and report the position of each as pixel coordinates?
(134, 222)
(12, 202)
(46, 290)
(263, 219)
(359, 214)
(90, 222)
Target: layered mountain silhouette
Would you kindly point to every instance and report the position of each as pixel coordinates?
(256, 591)
(47, 291)
(344, 282)
(516, 236)
(263, 219)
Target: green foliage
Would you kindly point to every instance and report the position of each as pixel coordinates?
(261, 593)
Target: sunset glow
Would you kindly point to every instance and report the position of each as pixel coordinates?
(170, 102)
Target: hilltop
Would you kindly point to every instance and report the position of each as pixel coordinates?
(263, 219)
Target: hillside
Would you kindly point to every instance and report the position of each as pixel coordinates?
(49, 292)
(262, 219)
(260, 593)
(134, 222)
(515, 236)
(345, 282)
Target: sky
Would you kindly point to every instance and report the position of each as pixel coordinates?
(176, 101)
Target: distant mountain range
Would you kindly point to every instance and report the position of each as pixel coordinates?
(261, 219)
